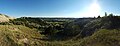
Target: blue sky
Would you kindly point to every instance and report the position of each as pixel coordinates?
(55, 8)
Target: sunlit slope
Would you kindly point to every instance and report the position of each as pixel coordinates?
(16, 35)
(5, 18)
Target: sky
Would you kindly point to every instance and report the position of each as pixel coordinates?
(59, 8)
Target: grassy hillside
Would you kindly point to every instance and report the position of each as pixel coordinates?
(103, 37)
(17, 35)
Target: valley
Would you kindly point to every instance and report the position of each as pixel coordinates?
(31, 31)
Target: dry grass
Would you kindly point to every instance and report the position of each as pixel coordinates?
(17, 35)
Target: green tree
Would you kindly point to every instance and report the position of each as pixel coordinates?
(50, 31)
(99, 16)
(105, 14)
(111, 15)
